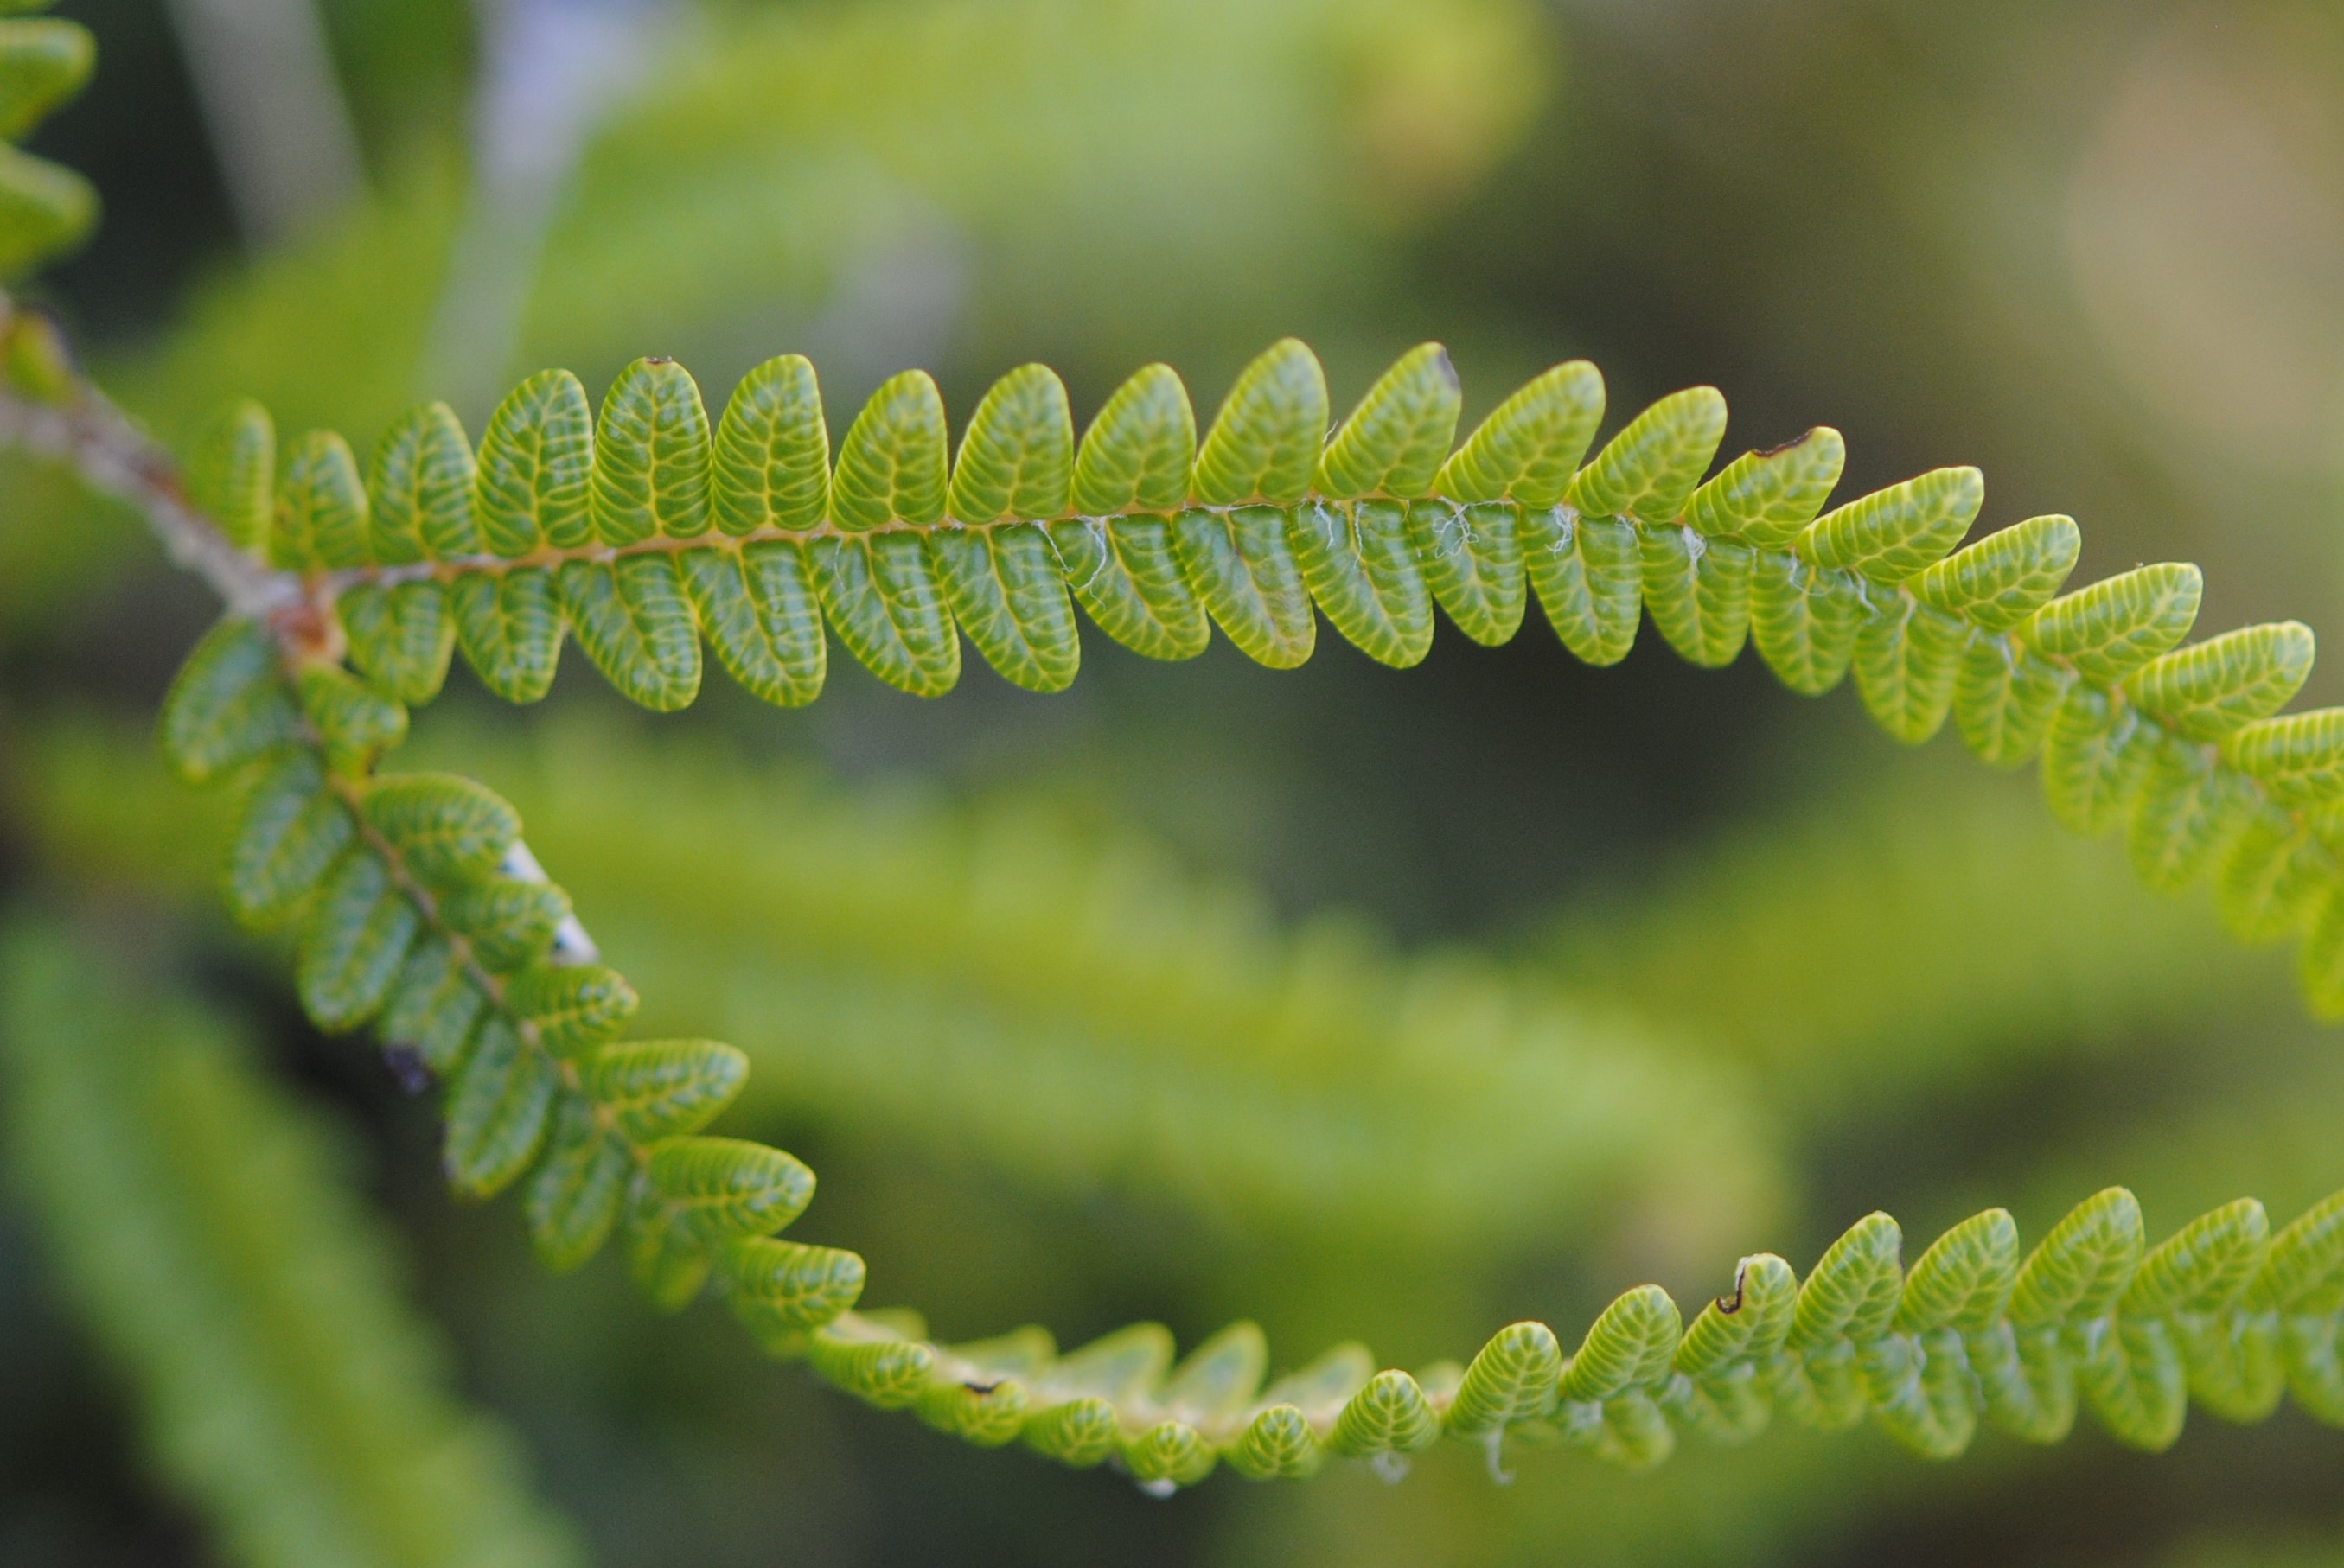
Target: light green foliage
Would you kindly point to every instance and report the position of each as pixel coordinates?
(43, 208)
(204, 1225)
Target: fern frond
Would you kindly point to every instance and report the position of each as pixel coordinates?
(2088, 1317)
(647, 533)
(2223, 1310)
(197, 1220)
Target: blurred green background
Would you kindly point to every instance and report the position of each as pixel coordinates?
(1203, 991)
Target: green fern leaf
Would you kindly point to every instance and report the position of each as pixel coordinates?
(321, 506)
(1397, 439)
(536, 468)
(1248, 578)
(2095, 761)
(1018, 457)
(232, 474)
(651, 456)
(353, 944)
(420, 493)
(1698, 591)
(1219, 1378)
(1853, 1292)
(1998, 582)
(1804, 620)
(665, 1088)
(886, 1372)
(1274, 1443)
(447, 827)
(1138, 453)
(771, 461)
(1964, 1279)
(2209, 689)
(1649, 470)
(2275, 873)
(2298, 759)
(1265, 443)
(43, 65)
(1747, 1327)
(352, 721)
(508, 626)
(1389, 1414)
(574, 1195)
(574, 1008)
(1589, 574)
(2114, 627)
(2188, 814)
(729, 1186)
(881, 595)
(784, 1288)
(1893, 534)
(500, 1108)
(1006, 590)
(2081, 1268)
(2303, 1272)
(2005, 694)
(1167, 1456)
(400, 638)
(1358, 563)
(1631, 1344)
(1124, 575)
(1907, 659)
(891, 467)
(229, 704)
(434, 1005)
(636, 626)
(292, 831)
(667, 1256)
(1528, 450)
(1511, 1379)
(43, 209)
(762, 617)
(1767, 498)
(1471, 556)
(511, 923)
(2203, 1266)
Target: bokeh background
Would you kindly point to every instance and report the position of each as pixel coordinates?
(1395, 1005)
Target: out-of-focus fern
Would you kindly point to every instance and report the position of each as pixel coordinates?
(1076, 1009)
(202, 1225)
(416, 905)
(1915, 935)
